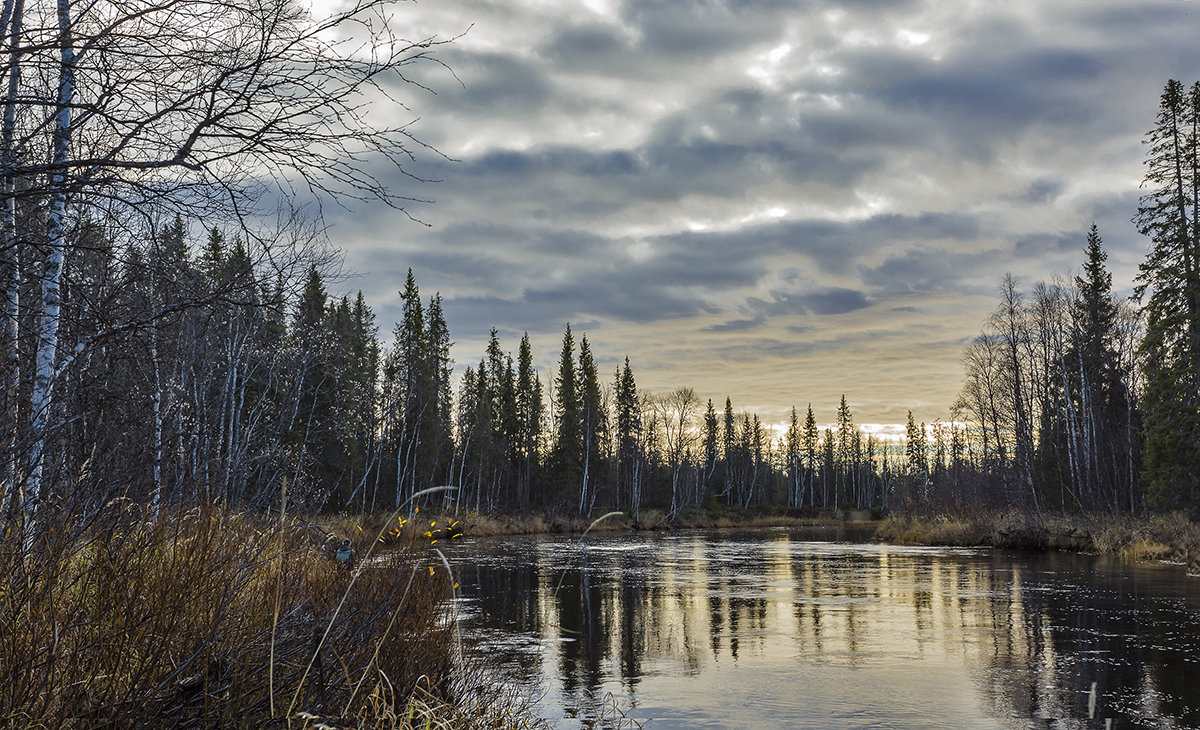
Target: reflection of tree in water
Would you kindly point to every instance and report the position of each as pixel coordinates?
(1054, 640)
(1033, 631)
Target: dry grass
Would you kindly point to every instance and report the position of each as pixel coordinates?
(1155, 537)
(218, 619)
(415, 530)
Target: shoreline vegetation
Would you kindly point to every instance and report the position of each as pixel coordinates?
(1170, 537)
(214, 618)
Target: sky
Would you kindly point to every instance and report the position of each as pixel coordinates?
(779, 202)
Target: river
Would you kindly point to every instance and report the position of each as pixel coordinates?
(820, 628)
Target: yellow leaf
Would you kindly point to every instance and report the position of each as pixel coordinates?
(431, 570)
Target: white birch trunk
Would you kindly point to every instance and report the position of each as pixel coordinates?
(47, 342)
(9, 425)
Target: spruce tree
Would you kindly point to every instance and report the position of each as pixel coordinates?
(1169, 288)
(629, 438)
(568, 441)
(712, 439)
(792, 459)
(811, 444)
(529, 422)
(593, 427)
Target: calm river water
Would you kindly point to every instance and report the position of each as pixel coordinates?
(814, 628)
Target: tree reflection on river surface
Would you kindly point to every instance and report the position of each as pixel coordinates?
(808, 627)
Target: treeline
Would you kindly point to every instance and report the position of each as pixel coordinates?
(1077, 400)
(207, 375)
(1050, 401)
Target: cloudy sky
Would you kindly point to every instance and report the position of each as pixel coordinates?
(778, 201)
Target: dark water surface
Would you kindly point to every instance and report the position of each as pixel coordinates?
(814, 628)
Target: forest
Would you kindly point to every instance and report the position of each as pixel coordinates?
(183, 362)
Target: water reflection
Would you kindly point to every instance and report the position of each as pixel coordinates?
(781, 628)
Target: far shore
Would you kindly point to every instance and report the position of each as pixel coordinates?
(1157, 537)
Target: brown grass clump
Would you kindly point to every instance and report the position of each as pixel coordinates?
(210, 618)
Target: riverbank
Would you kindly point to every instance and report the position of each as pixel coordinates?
(1170, 537)
(432, 527)
(215, 618)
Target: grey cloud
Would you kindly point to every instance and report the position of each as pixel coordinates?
(493, 83)
(835, 301)
(1042, 244)
(736, 325)
(932, 270)
(816, 300)
(1040, 192)
(700, 29)
(592, 47)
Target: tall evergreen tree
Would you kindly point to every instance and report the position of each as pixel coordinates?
(811, 444)
(1169, 288)
(628, 440)
(729, 450)
(436, 437)
(409, 372)
(593, 427)
(845, 450)
(568, 442)
(529, 423)
(1100, 405)
(712, 452)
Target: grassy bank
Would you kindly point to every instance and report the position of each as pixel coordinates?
(426, 526)
(217, 619)
(1157, 537)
